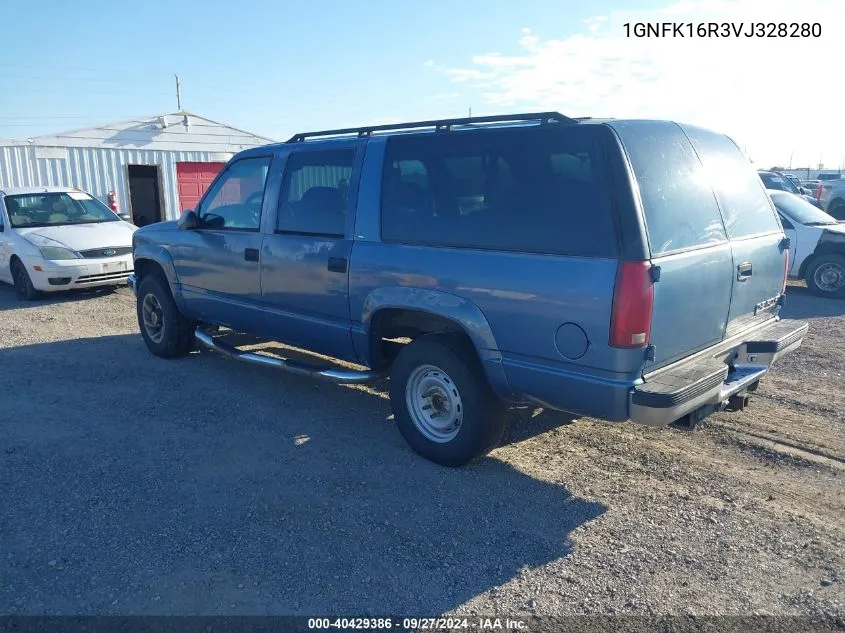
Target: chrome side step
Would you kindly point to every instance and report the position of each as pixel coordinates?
(339, 376)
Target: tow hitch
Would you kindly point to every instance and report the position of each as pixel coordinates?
(738, 402)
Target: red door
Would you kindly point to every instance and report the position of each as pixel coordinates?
(192, 180)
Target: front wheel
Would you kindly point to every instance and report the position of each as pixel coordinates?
(165, 330)
(24, 289)
(442, 403)
(826, 276)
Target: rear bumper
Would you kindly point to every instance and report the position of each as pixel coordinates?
(711, 377)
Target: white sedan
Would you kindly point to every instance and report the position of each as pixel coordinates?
(56, 238)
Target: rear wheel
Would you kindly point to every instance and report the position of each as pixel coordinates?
(443, 405)
(826, 276)
(23, 284)
(166, 332)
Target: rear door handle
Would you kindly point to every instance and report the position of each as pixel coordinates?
(251, 254)
(744, 271)
(337, 264)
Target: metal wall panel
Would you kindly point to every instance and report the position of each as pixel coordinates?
(96, 170)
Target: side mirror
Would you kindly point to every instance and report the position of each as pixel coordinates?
(189, 221)
(803, 191)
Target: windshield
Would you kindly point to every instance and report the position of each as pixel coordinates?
(801, 211)
(774, 181)
(56, 209)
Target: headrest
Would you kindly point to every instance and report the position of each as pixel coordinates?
(326, 199)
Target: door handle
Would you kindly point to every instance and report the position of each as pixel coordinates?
(251, 254)
(744, 271)
(337, 264)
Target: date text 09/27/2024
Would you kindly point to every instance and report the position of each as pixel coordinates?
(420, 624)
(722, 29)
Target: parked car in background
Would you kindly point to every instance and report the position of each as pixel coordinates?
(817, 244)
(583, 265)
(832, 198)
(794, 180)
(776, 181)
(829, 177)
(57, 238)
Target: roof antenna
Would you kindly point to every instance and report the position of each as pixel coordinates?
(178, 94)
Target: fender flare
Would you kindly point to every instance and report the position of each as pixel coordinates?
(160, 255)
(442, 304)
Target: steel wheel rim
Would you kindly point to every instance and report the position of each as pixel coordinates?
(829, 277)
(153, 317)
(434, 403)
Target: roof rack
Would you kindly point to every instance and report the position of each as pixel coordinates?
(440, 125)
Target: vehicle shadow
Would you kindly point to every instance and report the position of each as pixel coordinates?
(523, 421)
(134, 485)
(9, 300)
(802, 304)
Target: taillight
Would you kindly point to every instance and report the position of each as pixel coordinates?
(633, 304)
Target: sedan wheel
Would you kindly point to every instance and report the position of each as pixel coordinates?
(24, 289)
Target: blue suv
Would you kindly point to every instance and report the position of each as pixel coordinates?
(624, 270)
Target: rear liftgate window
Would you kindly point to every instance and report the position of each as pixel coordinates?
(741, 193)
(680, 210)
(537, 190)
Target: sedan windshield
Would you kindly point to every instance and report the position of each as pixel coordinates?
(801, 211)
(775, 181)
(56, 209)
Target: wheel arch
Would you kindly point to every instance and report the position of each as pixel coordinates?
(825, 246)
(407, 312)
(150, 259)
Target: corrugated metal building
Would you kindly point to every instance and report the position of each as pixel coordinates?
(156, 166)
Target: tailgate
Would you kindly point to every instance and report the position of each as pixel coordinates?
(686, 237)
(759, 264)
(758, 245)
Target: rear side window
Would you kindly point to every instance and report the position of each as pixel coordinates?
(535, 190)
(741, 193)
(314, 193)
(680, 210)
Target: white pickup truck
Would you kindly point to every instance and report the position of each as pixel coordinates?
(832, 197)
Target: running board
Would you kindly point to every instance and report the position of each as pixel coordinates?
(339, 376)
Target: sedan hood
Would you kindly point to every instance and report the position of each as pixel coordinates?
(80, 237)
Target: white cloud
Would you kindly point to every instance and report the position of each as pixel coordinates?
(774, 95)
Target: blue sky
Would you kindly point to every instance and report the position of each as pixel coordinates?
(275, 67)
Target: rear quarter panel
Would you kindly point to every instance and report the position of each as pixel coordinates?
(525, 298)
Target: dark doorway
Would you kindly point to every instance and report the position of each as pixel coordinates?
(144, 194)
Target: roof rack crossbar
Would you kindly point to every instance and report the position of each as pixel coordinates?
(440, 125)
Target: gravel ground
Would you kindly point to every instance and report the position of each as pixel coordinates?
(134, 485)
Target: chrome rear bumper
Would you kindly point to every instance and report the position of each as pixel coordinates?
(709, 379)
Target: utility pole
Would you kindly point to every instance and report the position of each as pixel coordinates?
(178, 94)
(470, 112)
(790, 158)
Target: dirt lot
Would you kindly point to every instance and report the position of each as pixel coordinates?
(133, 485)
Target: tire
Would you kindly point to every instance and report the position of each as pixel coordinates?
(826, 276)
(24, 289)
(837, 209)
(166, 332)
(472, 418)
